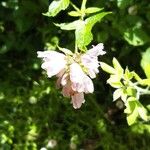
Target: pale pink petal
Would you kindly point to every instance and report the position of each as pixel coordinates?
(96, 50)
(77, 100)
(79, 87)
(67, 90)
(49, 54)
(77, 77)
(64, 79)
(88, 85)
(59, 75)
(76, 73)
(91, 64)
(90, 60)
(58, 83)
(54, 62)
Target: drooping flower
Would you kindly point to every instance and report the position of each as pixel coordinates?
(90, 59)
(74, 71)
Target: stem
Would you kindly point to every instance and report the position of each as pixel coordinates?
(83, 6)
(76, 47)
(140, 90)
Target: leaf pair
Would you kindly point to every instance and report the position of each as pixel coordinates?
(135, 109)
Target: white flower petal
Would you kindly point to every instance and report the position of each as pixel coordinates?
(88, 85)
(90, 59)
(77, 100)
(79, 87)
(76, 73)
(96, 50)
(54, 62)
(49, 54)
(77, 77)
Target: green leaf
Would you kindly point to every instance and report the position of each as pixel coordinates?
(145, 62)
(74, 13)
(136, 76)
(128, 75)
(91, 10)
(83, 31)
(135, 36)
(114, 81)
(124, 96)
(117, 66)
(56, 6)
(107, 68)
(145, 82)
(69, 26)
(130, 105)
(131, 110)
(117, 93)
(131, 118)
(131, 91)
(142, 111)
(135, 109)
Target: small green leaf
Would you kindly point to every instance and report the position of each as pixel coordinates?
(114, 81)
(69, 26)
(145, 62)
(74, 13)
(131, 110)
(130, 105)
(128, 75)
(56, 6)
(142, 111)
(131, 118)
(131, 91)
(107, 68)
(124, 96)
(145, 82)
(83, 31)
(136, 76)
(91, 10)
(117, 93)
(117, 66)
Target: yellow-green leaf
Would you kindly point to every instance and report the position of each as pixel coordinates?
(145, 62)
(93, 10)
(56, 6)
(107, 68)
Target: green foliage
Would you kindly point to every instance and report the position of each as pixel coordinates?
(123, 3)
(136, 36)
(127, 90)
(56, 6)
(83, 30)
(145, 62)
(32, 111)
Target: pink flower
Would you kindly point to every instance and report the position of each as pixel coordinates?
(90, 59)
(73, 71)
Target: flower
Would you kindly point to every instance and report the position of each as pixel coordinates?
(74, 71)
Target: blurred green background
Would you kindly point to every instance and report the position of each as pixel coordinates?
(33, 113)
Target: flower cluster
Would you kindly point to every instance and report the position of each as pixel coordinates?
(73, 70)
